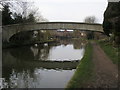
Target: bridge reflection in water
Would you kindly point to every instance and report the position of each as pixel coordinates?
(32, 66)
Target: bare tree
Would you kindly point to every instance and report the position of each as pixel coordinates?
(25, 9)
(40, 18)
(22, 7)
(90, 19)
(28, 9)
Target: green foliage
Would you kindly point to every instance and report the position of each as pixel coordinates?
(6, 15)
(90, 19)
(18, 18)
(13, 18)
(90, 35)
(107, 26)
(117, 27)
(76, 33)
(84, 70)
(111, 23)
(31, 18)
(112, 10)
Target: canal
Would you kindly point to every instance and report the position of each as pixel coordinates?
(41, 66)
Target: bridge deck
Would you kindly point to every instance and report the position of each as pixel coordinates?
(10, 30)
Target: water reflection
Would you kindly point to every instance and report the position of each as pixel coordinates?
(56, 53)
(34, 66)
(21, 80)
(64, 50)
(40, 52)
(41, 78)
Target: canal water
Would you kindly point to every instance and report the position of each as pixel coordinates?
(41, 66)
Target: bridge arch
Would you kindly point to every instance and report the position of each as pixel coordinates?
(10, 30)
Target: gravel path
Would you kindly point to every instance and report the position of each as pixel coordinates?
(106, 73)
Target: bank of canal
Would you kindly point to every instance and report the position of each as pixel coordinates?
(84, 71)
(98, 68)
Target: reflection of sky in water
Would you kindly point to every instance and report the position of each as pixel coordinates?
(65, 53)
(59, 53)
(40, 78)
(53, 78)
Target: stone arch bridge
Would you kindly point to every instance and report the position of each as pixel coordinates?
(10, 30)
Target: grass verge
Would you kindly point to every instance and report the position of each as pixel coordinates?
(111, 51)
(84, 70)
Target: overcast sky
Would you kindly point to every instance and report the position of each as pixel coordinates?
(71, 10)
